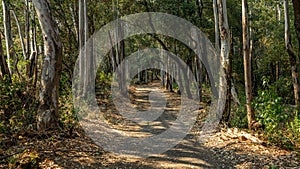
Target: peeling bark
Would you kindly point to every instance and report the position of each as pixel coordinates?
(216, 18)
(225, 82)
(47, 116)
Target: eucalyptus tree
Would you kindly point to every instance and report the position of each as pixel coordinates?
(296, 7)
(3, 63)
(216, 18)
(289, 48)
(8, 35)
(224, 57)
(47, 116)
(247, 64)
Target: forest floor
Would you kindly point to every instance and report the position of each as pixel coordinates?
(227, 148)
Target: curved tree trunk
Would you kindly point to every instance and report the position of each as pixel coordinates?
(47, 116)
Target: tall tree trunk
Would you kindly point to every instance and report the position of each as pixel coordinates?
(33, 47)
(289, 48)
(3, 63)
(162, 73)
(120, 48)
(88, 49)
(20, 34)
(197, 62)
(168, 85)
(277, 67)
(8, 35)
(296, 5)
(225, 59)
(81, 41)
(27, 28)
(247, 65)
(121, 56)
(216, 18)
(112, 53)
(81, 29)
(200, 7)
(47, 116)
(198, 67)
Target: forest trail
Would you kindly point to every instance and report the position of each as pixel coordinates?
(187, 154)
(222, 149)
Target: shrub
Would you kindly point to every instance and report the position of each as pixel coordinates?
(271, 110)
(17, 105)
(238, 116)
(277, 117)
(294, 131)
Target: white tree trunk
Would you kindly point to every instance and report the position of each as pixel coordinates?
(20, 34)
(225, 83)
(81, 41)
(8, 36)
(216, 18)
(48, 109)
(27, 27)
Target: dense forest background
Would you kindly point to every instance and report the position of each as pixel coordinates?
(41, 40)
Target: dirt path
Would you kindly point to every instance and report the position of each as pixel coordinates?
(58, 150)
(186, 154)
(220, 151)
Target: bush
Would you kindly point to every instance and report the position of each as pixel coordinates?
(239, 118)
(271, 110)
(281, 126)
(294, 131)
(68, 116)
(17, 105)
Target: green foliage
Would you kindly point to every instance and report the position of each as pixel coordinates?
(273, 167)
(103, 81)
(104, 77)
(294, 131)
(270, 110)
(239, 118)
(68, 117)
(284, 86)
(281, 125)
(17, 105)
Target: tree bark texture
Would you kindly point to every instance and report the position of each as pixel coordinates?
(47, 116)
